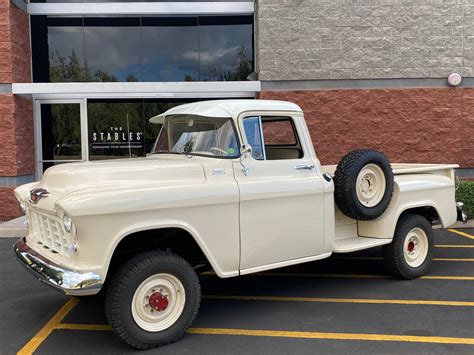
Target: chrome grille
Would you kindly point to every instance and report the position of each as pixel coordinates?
(49, 232)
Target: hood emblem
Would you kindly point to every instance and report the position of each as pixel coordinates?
(37, 194)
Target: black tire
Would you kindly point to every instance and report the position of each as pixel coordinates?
(345, 180)
(121, 289)
(393, 253)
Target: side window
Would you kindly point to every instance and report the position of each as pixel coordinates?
(272, 138)
(253, 133)
(279, 132)
(280, 138)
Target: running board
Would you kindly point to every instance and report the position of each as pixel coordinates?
(347, 245)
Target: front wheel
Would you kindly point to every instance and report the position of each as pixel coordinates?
(152, 299)
(411, 252)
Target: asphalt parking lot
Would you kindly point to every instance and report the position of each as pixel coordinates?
(340, 305)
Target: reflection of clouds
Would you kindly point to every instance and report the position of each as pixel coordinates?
(112, 48)
(63, 40)
(161, 52)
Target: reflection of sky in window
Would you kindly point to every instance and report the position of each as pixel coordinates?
(114, 50)
(219, 45)
(166, 52)
(177, 51)
(62, 41)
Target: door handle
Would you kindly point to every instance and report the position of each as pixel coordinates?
(304, 167)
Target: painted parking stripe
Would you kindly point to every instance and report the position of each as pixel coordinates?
(296, 334)
(48, 328)
(95, 327)
(379, 258)
(361, 276)
(454, 246)
(461, 233)
(332, 336)
(348, 276)
(340, 300)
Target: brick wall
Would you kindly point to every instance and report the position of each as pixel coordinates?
(17, 153)
(359, 39)
(409, 125)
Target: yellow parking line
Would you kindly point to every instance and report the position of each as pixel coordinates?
(454, 246)
(360, 276)
(333, 336)
(379, 258)
(36, 341)
(341, 300)
(70, 326)
(461, 233)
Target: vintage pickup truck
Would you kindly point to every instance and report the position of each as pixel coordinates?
(234, 185)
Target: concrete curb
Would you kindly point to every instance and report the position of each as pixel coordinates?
(469, 224)
(16, 228)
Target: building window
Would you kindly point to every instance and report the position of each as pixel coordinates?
(127, 49)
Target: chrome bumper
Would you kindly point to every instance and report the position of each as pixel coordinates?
(462, 216)
(64, 280)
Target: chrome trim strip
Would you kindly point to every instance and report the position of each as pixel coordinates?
(61, 279)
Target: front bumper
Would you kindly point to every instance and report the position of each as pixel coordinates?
(62, 279)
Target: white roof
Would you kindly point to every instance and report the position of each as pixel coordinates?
(226, 108)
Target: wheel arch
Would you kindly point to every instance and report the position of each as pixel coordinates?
(175, 237)
(378, 228)
(430, 212)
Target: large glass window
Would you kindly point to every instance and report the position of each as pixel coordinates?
(142, 48)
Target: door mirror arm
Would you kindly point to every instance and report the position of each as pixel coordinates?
(245, 151)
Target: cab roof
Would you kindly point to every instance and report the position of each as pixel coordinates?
(226, 108)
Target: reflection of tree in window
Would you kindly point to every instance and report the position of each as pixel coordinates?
(70, 70)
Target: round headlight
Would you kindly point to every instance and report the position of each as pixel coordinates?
(67, 221)
(23, 206)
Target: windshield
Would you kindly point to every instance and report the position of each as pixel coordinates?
(197, 135)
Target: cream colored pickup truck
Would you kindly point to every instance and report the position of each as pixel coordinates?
(234, 186)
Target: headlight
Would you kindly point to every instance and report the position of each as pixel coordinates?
(23, 206)
(67, 221)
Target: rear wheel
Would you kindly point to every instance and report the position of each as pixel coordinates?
(152, 299)
(411, 252)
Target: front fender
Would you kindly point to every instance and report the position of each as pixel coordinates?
(163, 224)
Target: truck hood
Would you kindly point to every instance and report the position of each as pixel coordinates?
(61, 180)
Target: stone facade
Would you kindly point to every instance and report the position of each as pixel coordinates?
(408, 125)
(17, 154)
(364, 39)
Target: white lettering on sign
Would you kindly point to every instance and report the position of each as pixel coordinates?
(116, 138)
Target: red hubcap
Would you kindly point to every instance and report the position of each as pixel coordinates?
(158, 301)
(411, 246)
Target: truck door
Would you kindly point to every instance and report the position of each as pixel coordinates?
(281, 195)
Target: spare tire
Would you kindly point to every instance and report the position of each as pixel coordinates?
(363, 184)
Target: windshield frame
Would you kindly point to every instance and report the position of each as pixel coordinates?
(234, 129)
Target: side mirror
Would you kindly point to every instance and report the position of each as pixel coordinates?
(245, 149)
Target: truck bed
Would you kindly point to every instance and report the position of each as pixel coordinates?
(407, 168)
